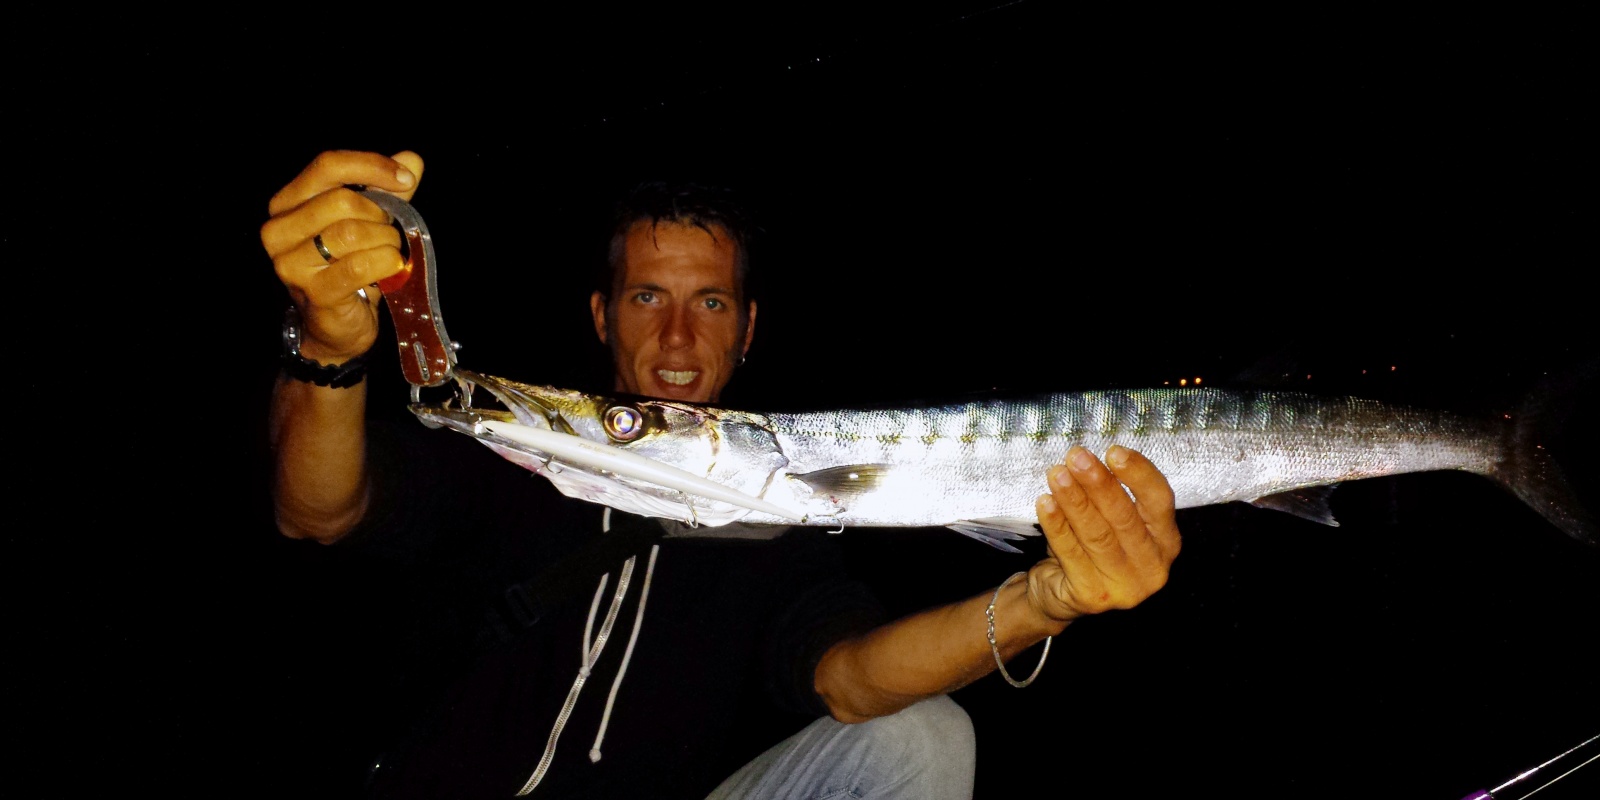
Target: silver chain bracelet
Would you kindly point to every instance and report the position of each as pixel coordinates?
(989, 613)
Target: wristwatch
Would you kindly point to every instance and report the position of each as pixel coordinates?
(337, 376)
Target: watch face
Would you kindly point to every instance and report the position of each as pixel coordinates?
(300, 368)
(291, 331)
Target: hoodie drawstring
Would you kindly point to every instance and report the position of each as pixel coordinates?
(627, 655)
(591, 654)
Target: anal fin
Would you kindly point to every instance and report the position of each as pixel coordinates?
(996, 531)
(1308, 503)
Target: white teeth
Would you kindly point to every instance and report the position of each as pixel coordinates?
(677, 378)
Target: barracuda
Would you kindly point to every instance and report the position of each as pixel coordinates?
(977, 466)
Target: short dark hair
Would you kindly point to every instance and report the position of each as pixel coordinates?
(685, 203)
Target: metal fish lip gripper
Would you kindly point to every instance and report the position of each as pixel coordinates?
(427, 353)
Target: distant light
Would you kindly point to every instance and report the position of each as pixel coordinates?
(1183, 381)
(1392, 369)
(1197, 380)
(1363, 372)
(1308, 376)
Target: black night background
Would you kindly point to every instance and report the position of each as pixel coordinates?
(971, 197)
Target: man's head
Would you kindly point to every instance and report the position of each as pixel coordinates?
(673, 306)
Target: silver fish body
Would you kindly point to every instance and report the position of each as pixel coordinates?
(977, 466)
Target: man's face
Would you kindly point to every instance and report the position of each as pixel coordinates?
(673, 321)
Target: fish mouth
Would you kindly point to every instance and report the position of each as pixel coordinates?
(518, 405)
(534, 434)
(464, 420)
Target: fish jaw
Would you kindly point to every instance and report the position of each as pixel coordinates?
(732, 449)
(470, 422)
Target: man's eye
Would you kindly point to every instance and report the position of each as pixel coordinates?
(645, 297)
(714, 304)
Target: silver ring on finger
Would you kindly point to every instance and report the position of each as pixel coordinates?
(362, 293)
(327, 255)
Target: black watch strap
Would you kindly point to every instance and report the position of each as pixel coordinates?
(337, 376)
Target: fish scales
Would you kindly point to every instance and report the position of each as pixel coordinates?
(978, 465)
(988, 458)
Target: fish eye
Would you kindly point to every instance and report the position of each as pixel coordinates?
(623, 423)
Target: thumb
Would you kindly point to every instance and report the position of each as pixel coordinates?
(413, 162)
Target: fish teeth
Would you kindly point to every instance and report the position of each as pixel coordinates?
(677, 378)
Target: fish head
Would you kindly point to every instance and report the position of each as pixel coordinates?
(733, 449)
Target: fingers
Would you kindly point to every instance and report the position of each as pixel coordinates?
(1059, 537)
(356, 232)
(1153, 497)
(346, 238)
(337, 168)
(1108, 550)
(327, 241)
(328, 284)
(321, 215)
(317, 203)
(364, 250)
(1099, 514)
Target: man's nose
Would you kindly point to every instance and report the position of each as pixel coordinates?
(677, 332)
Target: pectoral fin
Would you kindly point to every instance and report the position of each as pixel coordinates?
(843, 484)
(1308, 503)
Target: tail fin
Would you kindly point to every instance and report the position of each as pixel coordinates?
(1542, 429)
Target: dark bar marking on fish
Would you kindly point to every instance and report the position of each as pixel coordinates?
(1142, 414)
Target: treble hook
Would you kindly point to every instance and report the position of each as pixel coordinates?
(694, 519)
(832, 520)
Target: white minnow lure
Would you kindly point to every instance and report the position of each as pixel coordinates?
(620, 462)
(978, 465)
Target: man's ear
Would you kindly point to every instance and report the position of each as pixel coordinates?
(597, 307)
(749, 329)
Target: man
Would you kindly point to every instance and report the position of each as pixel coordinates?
(677, 321)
